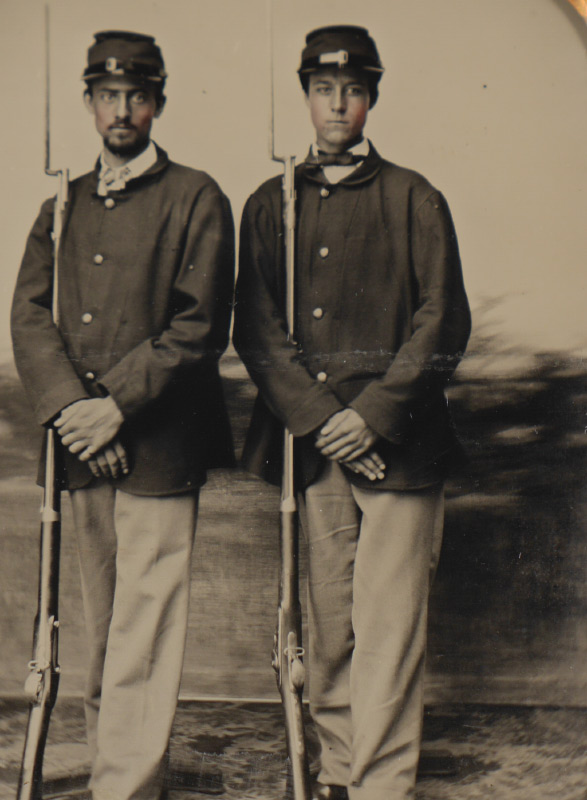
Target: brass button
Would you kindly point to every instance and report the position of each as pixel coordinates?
(98, 258)
(324, 191)
(87, 318)
(322, 377)
(90, 376)
(324, 252)
(318, 313)
(109, 202)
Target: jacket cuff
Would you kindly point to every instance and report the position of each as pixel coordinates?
(313, 413)
(389, 421)
(52, 402)
(113, 388)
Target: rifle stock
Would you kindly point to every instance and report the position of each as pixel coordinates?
(43, 681)
(288, 651)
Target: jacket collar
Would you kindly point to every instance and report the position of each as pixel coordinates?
(364, 172)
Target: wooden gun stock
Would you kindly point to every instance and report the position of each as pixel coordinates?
(43, 681)
(288, 651)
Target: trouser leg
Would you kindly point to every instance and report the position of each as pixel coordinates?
(396, 557)
(372, 556)
(330, 521)
(145, 646)
(93, 510)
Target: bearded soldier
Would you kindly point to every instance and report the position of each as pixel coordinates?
(130, 381)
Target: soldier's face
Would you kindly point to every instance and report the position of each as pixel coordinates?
(123, 110)
(338, 101)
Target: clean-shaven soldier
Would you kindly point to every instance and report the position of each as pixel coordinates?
(381, 322)
(130, 381)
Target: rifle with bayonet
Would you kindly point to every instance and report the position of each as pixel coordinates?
(43, 680)
(288, 651)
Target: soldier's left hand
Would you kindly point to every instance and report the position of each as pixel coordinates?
(111, 462)
(370, 465)
(345, 436)
(87, 426)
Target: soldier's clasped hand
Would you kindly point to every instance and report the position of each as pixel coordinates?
(111, 462)
(370, 465)
(345, 436)
(87, 426)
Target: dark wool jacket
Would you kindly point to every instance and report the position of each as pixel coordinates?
(145, 286)
(382, 319)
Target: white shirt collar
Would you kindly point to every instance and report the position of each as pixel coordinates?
(116, 178)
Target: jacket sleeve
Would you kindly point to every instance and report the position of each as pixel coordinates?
(441, 325)
(48, 376)
(199, 313)
(260, 332)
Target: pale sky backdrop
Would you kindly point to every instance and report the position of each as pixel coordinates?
(487, 98)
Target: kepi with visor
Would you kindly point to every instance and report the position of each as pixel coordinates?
(125, 53)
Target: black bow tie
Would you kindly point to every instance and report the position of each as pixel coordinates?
(333, 159)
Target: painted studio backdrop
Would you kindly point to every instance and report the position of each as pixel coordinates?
(488, 100)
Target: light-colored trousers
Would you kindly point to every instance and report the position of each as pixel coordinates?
(372, 557)
(135, 555)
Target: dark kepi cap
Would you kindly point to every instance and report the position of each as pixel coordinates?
(340, 46)
(125, 53)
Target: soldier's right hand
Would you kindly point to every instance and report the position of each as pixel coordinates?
(345, 437)
(369, 464)
(88, 426)
(110, 462)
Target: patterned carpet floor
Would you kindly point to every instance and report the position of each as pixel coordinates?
(236, 751)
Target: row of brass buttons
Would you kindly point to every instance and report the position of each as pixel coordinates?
(318, 313)
(87, 318)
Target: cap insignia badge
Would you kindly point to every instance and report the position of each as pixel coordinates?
(341, 57)
(111, 64)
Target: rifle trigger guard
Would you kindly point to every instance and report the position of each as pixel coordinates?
(296, 669)
(294, 653)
